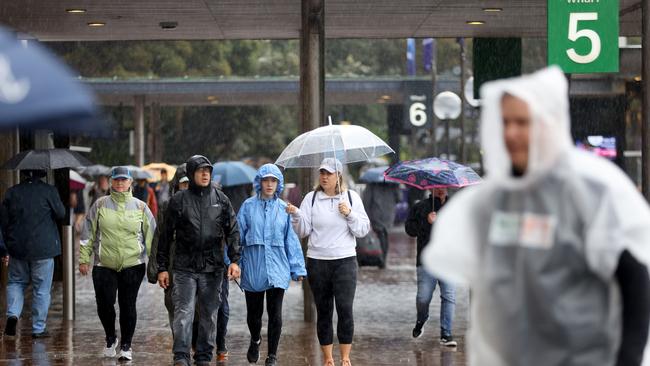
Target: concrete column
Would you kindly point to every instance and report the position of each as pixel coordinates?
(312, 97)
(9, 146)
(138, 121)
(395, 116)
(645, 125)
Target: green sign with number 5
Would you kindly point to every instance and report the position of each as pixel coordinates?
(583, 35)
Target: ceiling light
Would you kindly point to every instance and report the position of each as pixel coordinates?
(168, 25)
(637, 78)
(212, 97)
(492, 10)
(475, 22)
(96, 24)
(386, 97)
(75, 11)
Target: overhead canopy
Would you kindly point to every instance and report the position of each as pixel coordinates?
(280, 19)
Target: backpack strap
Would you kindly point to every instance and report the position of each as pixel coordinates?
(313, 198)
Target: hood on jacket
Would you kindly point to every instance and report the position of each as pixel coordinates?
(546, 93)
(265, 171)
(193, 163)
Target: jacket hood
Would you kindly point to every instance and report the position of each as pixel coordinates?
(193, 164)
(546, 93)
(266, 170)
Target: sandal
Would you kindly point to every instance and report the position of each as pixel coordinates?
(346, 362)
(330, 363)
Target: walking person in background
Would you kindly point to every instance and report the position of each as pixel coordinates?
(198, 222)
(332, 217)
(146, 194)
(163, 189)
(421, 218)
(119, 229)
(28, 218)
(380, 200)
(100, 188)
(271, 258)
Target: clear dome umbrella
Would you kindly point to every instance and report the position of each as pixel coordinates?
(347, 143)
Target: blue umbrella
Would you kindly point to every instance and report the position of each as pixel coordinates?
(375, 175)
(233, 173)
(39, 92)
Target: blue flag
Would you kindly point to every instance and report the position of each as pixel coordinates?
(410, 56)
(428, 56)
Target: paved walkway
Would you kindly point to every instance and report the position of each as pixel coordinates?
(384, 317)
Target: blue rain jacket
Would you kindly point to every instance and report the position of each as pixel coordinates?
(271, 252)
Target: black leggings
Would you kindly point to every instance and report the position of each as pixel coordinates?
(333, 281)
(127, 284)
(255, 309)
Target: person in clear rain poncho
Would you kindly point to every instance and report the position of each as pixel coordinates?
(554, 244)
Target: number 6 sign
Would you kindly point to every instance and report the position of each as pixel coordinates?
(583, 35)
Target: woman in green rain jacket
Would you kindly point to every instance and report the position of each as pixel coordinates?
(118, 230)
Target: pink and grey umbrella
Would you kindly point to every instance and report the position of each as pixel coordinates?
(432, 173)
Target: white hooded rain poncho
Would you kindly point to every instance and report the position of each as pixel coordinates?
(540, 251)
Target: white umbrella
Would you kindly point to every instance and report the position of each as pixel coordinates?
(347, 143)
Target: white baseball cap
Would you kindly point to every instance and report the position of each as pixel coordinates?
(331, 165)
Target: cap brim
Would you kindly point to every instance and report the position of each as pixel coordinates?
(327, 168)
(183, 180)
(121, 176)
(270, 175)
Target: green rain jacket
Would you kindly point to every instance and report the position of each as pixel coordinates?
(118, 229)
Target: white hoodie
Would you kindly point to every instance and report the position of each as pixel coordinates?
(540, 252)
(331, 235)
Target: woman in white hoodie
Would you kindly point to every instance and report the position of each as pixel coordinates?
(332, 217)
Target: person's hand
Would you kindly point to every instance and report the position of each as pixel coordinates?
(5, 260)
(344, 209)
(163, 279)
(291, 209)
(78, 226)
(432, 217)
(84, 268)
(233, 271)
(300, 278)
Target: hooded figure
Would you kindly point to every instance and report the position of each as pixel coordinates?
(271, 258)
(548, 241)
(271, 252)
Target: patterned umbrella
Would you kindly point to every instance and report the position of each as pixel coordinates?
(432, 173)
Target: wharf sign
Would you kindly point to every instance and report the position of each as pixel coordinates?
(583, 35)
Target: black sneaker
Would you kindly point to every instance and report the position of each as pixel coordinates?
(10, 327)
(253, 354)
(417, 330)
(43, 334)
(448, 341)
(271, 361)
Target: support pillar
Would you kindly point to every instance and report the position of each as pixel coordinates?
(645, 76)
(138, 121)
(9, 146)
(312, 97)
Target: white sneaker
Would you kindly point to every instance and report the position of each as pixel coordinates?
(111, 350)
(126, 355)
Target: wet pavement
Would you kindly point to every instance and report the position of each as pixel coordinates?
(384, 317)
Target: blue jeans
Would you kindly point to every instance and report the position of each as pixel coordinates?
(426, 287)
(40, 273)
(190, 288)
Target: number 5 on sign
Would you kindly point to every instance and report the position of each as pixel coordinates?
(583, 35)
(575, 34)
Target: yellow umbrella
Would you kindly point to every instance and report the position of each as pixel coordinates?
(155, 168)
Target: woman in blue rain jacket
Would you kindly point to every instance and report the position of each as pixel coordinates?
(271, 258)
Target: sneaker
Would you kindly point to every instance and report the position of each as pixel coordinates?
(448, 341)
(417, 330)
(222, 356)
(253, 354)
(43, 334)
(10, 326)
(111, 348)
(202, 363)
(126, 353)
(271, 361)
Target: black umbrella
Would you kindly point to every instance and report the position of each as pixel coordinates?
(46, 159)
